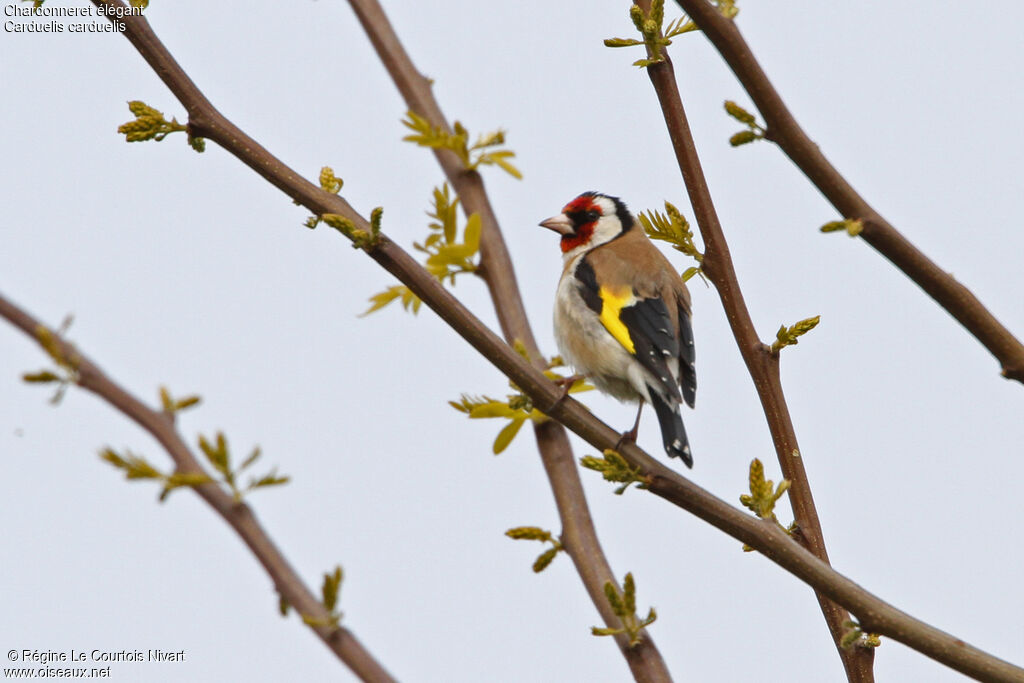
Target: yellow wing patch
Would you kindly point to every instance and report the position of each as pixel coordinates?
(612, 303)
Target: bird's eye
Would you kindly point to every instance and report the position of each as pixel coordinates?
(591, 216)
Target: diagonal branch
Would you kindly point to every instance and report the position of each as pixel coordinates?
(873, 614)
(783, 129)
(238, 515)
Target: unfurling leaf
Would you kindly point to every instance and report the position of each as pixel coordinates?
(788, 336)
(649, 25)
(529, 533)
(472, 156)
(518, 408)
(331, 589)
(217, 452)
(361, 239)
(743, 137)
(166, 402)
(755, 131)
(339, 223)
(507, 433)
(857, 636)
(149, 124)
(330, 182)
(186, 402)
(270, 479)
(601, 631)
(179, 479)
(409, 300)
(727, 8)
(533, 533)
(134, 467)
(253, 457)
(621, 42)
(852, 226)
(739, 113)
(763, 495)
(544, 559)
(375, 218)
(624, 607)
(629, 593)
(493, 408)
(614, 600)
(613, 467)
(41, 377)
(671, 227)
(681, 25)
(170, 405)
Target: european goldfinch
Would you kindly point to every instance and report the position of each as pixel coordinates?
(622, 314)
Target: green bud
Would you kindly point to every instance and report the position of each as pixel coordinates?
(739, 113)
(743, 137)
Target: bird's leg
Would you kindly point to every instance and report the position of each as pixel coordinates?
(632, 433)
(566, 384)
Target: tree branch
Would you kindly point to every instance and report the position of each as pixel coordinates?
(238, 515)
(783, 129)
(762, 363)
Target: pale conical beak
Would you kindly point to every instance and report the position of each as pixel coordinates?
(560, 224)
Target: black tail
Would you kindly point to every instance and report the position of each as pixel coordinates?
(673, 435)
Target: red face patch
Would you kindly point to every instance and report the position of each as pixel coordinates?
(581, 204)
(580, 237)
(578, 207)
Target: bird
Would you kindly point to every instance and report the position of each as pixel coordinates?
(622, 314)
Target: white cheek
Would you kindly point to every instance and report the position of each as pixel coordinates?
(607, 229)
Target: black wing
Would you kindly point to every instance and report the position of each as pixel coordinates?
(687, 358)
(650, 329)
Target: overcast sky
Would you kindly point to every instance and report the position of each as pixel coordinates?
(191, 271)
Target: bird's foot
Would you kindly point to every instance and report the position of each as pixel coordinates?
(630, 436)
(626, 437)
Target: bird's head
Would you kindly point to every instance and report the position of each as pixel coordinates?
(590, 220)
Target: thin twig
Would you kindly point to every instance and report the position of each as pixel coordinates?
(783, 129)
(237, 514)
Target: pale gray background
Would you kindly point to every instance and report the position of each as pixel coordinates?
(190, 270)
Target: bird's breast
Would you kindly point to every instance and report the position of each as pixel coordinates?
(587, 346)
